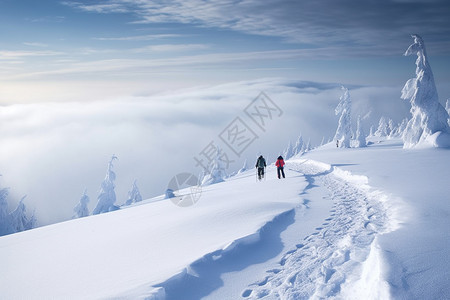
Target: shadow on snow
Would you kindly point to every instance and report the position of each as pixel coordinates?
(204, 275)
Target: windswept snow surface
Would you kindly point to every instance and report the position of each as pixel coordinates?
(361, 223)
(414, 186)
(127, 252)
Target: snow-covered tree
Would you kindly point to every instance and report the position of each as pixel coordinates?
(402, 126)
(82, 210)
(371, 133)
(5, 222)
(298, 147)
(133, 195)
(19, 219)
(391, 128)
(244, 167)
(32, 221)
(107, 195)
(289, 151)
(307, 146)
(216, 169)
(382, 129)
(447, 108)
(15, 221)
(429, 118)
(344, 130)
(398, 131)
(360, 140)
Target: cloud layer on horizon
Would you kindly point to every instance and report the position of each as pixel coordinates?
(53, 151)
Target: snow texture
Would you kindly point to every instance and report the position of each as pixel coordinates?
(323, 232)
(336, 254)
(344, 130)
(429, 123)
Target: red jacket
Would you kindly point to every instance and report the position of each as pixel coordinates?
(279, 163)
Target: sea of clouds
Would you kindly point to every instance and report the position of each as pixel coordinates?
(52, 152)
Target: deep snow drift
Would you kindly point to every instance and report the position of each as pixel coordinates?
(365, 223)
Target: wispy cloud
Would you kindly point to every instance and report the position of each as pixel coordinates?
(125, 65)
(12, 55)
(146, 133)
(98, 8)
(34, 44)
(171, 48)
(47, 19)
(147, 37)
(354, 23)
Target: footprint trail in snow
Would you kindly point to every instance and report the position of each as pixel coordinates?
(333, 261)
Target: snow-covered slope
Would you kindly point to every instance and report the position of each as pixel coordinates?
(110, 254)
(366, 223)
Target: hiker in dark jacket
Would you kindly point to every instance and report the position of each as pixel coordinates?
(260, 164)
(280, 166)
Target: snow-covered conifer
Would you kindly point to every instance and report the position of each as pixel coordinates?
(402, 126)
(307, 146)
(360, 140)
(323, 141)
(298, 145)
(344, 130)
(216, 169)
(133, 195)
(244, 167)
(289, 151)
(82, 210)
(447, 108)
(19, 219)
(5, 222)
(107, 195)
(32, 221)
(428, 116)
(15, 221)
(371, 133)
(382, 129)
(391, 128)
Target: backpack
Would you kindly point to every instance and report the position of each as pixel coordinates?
(261, 162)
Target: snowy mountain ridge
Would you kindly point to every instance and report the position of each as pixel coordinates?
(339, 226)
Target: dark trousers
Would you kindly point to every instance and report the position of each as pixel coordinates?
(280, 169)
(260, 173)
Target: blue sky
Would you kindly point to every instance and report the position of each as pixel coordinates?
(73, 50)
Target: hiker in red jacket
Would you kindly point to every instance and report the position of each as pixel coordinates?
(280, 166)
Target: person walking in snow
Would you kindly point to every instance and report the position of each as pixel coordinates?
(280, 166)
(260, 164)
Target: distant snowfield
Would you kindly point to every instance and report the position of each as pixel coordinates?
(368, 223)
